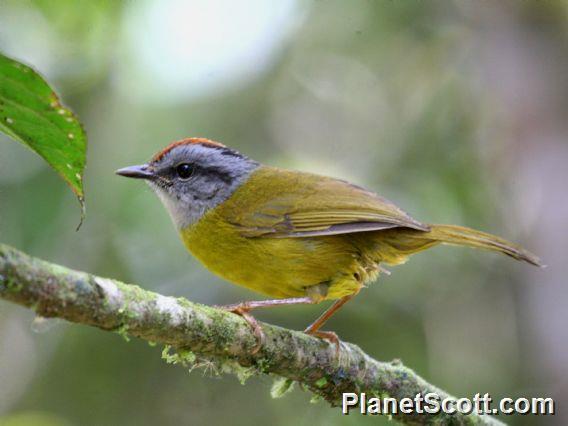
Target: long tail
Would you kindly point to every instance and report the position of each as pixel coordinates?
(413, 241)
(460, 235)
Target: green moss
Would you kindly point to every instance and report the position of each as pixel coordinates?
(316, 398)
(213, 365)
(281, 387)
(262, 365)
(166, 354)
(135, 293)
(10, 285)
(379, 394)
(180, 356)
(123, 332)
(321, 382)
(184, 303)
(396, 362)
(127, 313)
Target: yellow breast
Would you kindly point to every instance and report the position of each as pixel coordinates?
(279, 267)
(276, 267)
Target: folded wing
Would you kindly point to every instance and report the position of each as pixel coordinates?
(297, 204)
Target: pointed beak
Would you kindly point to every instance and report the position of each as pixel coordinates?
(136, 172)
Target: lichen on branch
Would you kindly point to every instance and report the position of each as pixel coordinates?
(196, 334)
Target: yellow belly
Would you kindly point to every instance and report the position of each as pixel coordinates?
(278, 267)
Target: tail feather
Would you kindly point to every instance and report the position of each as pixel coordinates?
(460, 235)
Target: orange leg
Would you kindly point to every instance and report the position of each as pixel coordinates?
(243, 309)
(253, 304)
(314, 328)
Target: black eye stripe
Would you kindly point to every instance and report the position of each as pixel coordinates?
(184, 170)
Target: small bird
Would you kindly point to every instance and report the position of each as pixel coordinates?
(297, 237)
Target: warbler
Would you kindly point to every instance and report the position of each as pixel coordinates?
(294, 236)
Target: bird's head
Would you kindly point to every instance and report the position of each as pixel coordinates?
(192, 176)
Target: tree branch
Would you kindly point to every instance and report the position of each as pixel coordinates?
(200, 332)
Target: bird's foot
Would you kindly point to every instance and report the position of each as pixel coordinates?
(326, 335)
(243, 310)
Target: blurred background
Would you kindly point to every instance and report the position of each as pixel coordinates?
(455, 110)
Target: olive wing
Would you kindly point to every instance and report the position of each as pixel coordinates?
(283, 204)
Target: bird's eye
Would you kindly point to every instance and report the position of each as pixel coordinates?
(184, 170)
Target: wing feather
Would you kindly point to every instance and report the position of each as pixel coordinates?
(297, 204)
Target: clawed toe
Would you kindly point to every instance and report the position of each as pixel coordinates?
(256, 328)
(326, 335)
(243, 311)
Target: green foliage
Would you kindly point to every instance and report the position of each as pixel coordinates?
(31, 113)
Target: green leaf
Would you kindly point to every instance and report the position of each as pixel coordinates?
(31, 113)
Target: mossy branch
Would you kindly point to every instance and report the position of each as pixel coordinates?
(202, 332)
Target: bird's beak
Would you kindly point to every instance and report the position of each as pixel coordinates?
(136, 172)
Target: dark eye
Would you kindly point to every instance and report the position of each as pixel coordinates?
(184, 170)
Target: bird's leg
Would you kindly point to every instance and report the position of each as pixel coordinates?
(243, 309)
(314, 328)
(237, 308)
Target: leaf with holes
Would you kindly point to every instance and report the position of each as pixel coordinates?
(31, 113)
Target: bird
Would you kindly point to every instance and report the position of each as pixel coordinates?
(293, 236)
